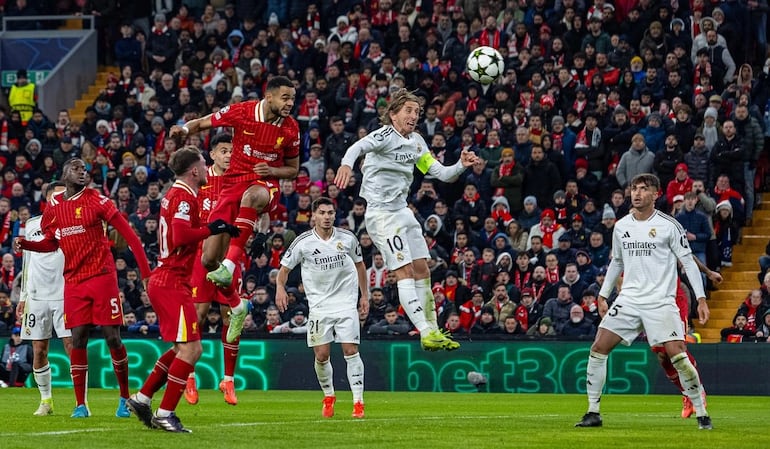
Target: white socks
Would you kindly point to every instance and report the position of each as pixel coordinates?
(43, 381)
(425, 293)
(688, 376)
(230, 265)
(356, 376)
(413, 306)
(324, 373)
(596, 375)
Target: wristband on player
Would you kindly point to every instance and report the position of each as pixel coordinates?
(186, 130)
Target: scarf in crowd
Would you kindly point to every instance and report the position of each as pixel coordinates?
(472, 199)
(547, 232)
(582, 138)
(313, 22)
(580, 106)
(6, 228)
(520, 280)
(711, 135)
(557, 139)
(473, 104)
(504, 170)
(377, 277)
(490, 38)
(515, 44)
(552, 275)
(7, 275)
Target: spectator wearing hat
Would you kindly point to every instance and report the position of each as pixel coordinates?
(638, 159)
(508, 179)
(470, 310)
(586, 181)
(22, 96)
(710, 129)
(543, 329)
(16, 361)
(296, 325)
(315, 164)
(454, 290)
(529, 310)
(738, 332)
(486, 324)
(577, 232)
(530, 214)
(161, 46)
(681, 184)
(547, 229)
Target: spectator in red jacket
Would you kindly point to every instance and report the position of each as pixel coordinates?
(681, 184)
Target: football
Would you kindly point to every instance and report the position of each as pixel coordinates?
(485, 65)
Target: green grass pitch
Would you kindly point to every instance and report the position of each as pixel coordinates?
(292, 419)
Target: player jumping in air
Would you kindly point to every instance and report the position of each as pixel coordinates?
(179, 231)
(203, 290)
(646, 244)
(391, 153)
(333, 274)
(265, 149)
(75, 222)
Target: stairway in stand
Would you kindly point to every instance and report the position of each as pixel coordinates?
(739, 279)
(78, 112)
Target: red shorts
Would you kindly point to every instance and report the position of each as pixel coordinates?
(177, 316)
(94, 301)
(684, 306)
(204, 291)
(230, 199)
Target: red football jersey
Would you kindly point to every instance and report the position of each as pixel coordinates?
(79, 224)
(209, 194)
(255, 140)
(176, 261)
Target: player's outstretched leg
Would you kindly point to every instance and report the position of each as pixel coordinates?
(356, 381)
(184, 363)
(246, 222)
(596, 375)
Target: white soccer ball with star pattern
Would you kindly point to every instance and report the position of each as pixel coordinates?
(485, 65)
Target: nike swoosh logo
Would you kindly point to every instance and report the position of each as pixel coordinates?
(248, 133)
(205, 187)
(114, 317)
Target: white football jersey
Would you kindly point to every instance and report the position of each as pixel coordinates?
(329, 273)
(43, 273)
(389, 164)
(648, 250)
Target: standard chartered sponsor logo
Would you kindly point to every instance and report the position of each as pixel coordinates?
(72, 230)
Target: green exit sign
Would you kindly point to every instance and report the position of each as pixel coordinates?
(35, 76)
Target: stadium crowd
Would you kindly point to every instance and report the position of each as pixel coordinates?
(592, 94)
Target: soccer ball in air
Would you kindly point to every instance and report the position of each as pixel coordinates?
(485, 65)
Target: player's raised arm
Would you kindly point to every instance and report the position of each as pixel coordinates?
(192, 127)
(366, 145)
(49, 244)
(428, 164)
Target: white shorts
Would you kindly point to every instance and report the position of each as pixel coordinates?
(397, 235)
(341, 328)
(660, 321)
(41, 318)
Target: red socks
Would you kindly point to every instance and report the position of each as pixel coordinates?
(229, 352)
(120, 366)
(246, 222)
(159, 374)
(79, 373)
(177, 380)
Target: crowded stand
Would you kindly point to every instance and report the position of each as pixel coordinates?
(592, 94)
